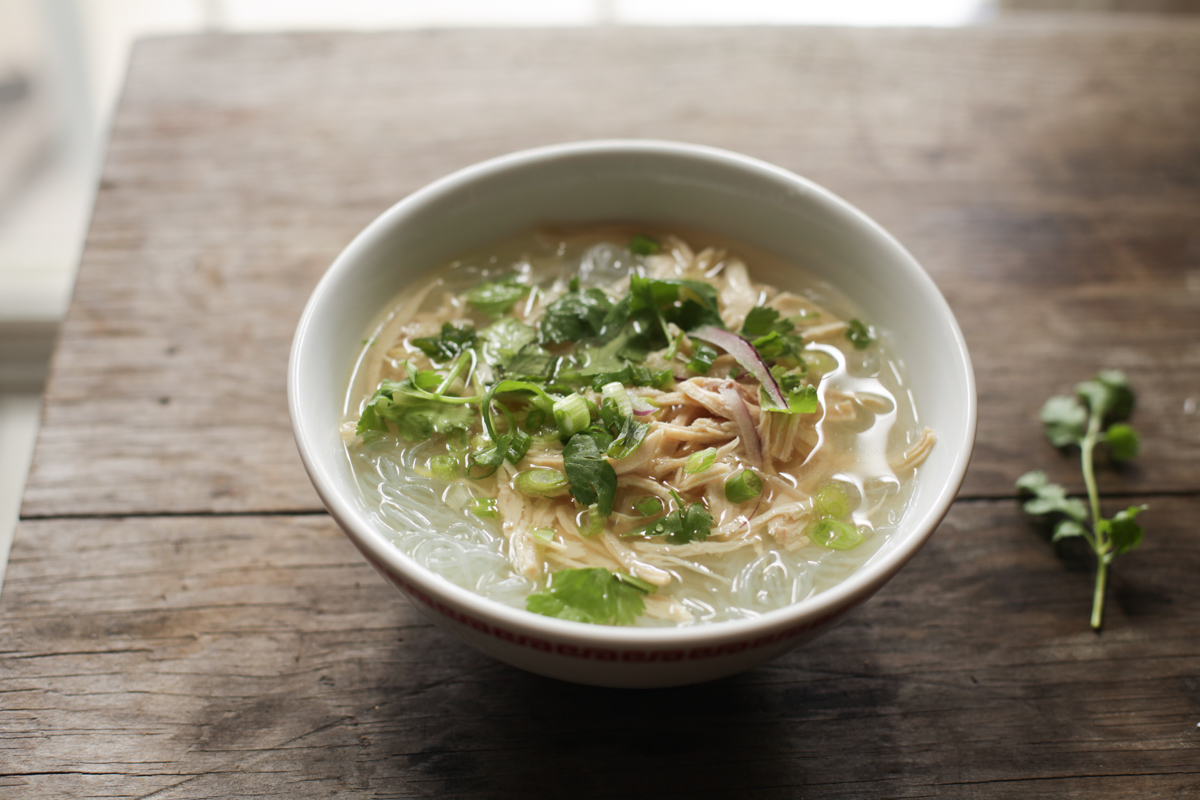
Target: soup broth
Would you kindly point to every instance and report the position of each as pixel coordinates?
(618, 425)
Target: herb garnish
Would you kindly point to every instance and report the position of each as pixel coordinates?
(416, 413)
(592, 595)
(1106, 399)
(579, 314)
(496, 298)
(449, 343)
(593, 480)
(643, 245)
(687, 523)
(859, 334)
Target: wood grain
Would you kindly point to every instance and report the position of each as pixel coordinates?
(230, 657)
(1053, 197)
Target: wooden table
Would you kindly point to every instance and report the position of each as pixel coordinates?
(182, 620)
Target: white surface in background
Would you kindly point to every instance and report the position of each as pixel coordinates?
(801, 12)
(18, 429)
(375, 14)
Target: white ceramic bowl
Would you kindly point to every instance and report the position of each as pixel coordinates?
(665, 184)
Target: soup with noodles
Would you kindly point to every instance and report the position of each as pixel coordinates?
(613, 426)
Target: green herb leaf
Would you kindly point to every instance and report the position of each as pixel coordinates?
(761, 321)
(593, 480)
(1125, 534)
(644, 245)
(1050, 498)
(859, 334)
(592, 595)
(649, 506)
(416, 417)
(1067, 528)
(688, 523)
(1108, 395)
(634, 375)
(1064, 420)
(507, 337)
(449, 343)
(1122, 441)
(495, 299)
(575, 316)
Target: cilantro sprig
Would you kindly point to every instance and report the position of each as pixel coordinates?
(1093, 417)
(687, 523)
(592, 595)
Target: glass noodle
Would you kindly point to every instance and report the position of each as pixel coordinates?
(757, 443)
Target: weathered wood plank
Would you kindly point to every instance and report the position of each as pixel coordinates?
(1049, 178)
(230, 657)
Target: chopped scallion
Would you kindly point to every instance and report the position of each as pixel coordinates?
(698, 462)
(543, 535)
(484, 507)
(590, 521)
(746, 485)
(649, 506)
(444, 468)
(831, 501)
(571, 414)
(834, 534)
(541, 483)
(616, 392)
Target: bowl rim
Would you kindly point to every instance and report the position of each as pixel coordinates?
(856, 588)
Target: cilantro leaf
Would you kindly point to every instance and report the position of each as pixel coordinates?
(578, 314)
(510, 347)
(415, 416)
(643, 245)
(803, 400)
(592, 595)
(1067, 528)
(859, 334)
(1064, 420)
(593, 480)
(1108, 395)
(762, 321)
(688, 523)
(634, 375)
(686, 303)
(496, 298)
(1050, 498)
(626, 432)
(1123, 441)
(507, 336)
(1125, 534)
(449, 343)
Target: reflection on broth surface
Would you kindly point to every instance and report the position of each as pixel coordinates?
(609, 426)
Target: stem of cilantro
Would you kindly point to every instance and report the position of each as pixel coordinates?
(1098, 539)
(455, 370)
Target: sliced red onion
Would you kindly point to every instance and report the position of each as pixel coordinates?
(641, 406)
(744, 353)
(745, 424)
